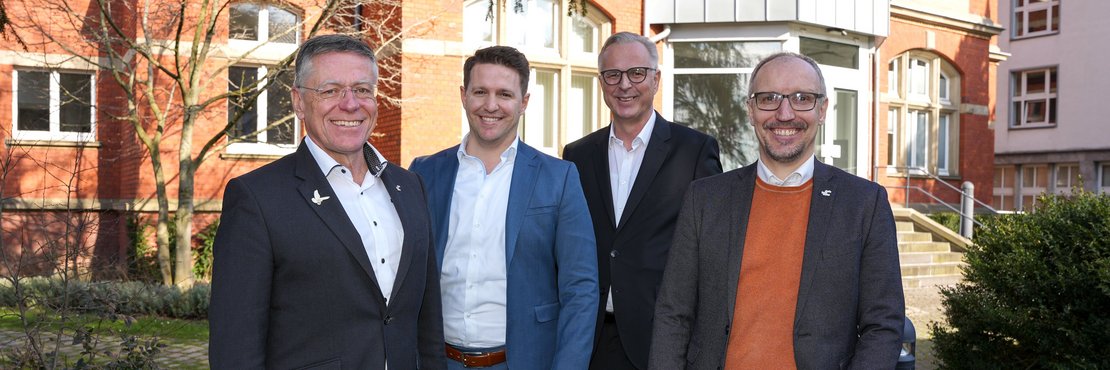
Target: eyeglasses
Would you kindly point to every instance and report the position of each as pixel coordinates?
(328, 92)
(635, 75)
(799, 101)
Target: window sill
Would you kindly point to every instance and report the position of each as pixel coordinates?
(249, 156)
(1032, 127)
(1034, 35)
(52, 143)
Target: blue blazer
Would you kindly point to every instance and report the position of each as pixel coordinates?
(549, 254)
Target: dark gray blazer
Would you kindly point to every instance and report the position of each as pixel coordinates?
(632, 254)
(293, 287)
(850, 308)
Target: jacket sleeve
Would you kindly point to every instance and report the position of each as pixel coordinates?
(882, 308)
(677, 302)
(238, 313)
(576, 258)
(709, 159)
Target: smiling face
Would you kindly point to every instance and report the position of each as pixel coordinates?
(630, 102)
(786, 137)
(340, 125)
(493, 103)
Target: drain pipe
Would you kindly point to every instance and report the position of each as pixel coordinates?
(662, 35)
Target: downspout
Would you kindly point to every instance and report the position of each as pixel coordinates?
(662, 35)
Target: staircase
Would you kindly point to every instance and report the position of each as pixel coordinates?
(930, 254)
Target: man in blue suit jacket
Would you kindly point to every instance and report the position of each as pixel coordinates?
(513, 236)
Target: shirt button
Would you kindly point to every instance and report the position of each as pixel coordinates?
(614, 253)
(388, 319)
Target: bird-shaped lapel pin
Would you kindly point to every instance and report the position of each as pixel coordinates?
(826, 193)
(316, 198)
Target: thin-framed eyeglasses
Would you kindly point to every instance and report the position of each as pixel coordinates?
(328, 92)
(799, 101)
(635, 75)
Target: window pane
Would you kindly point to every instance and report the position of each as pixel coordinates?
(34, 101)
(76, 99)
(942, 143)
(1106, 175)
(846, 124)
(282, 26)
(919, 138)
(581, 107)
(892, 77)
(476, 26)
(1055, 17)
(919, 77)
(1019, 84)
(1052, 81)
(1038, 20)
(998, 173)
(1035, 111)
(830, 53)
(1035, 82)
(244, 22)
(1027, 177)
(1017, 114)
(583, 38)
(240, 78)
(541, 115)
(1052, 110)
(535, 26)
(723, 54)
(714, 104)
(1042, 176)
(279, 106)
(1019, 23)
(891, 136)
(942, 88)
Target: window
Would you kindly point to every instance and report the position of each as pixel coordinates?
(1004, 188)
(1067, 176)
(830, 53)
(1104, 178)
(1034, 182)
(263, 23)
(892, 124)
(565, 102)
(926, 123)
(268, 119)
(54, 105)
(1034, 98)
(710, 80)
(1036, 17)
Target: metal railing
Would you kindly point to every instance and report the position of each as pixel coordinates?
(967, 196)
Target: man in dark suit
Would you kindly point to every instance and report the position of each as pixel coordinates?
(324, 258)
(512, 233)
(788, 262)
(634, 173)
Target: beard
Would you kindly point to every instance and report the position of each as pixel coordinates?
(787, 154)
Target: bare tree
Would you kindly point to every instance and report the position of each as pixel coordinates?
(169, 60)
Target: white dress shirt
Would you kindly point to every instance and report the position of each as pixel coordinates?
(473, 279)
(624, 165)
(800, 175)
(370, 209)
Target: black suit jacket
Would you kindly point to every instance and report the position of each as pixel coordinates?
(850, 309)
(292, 286)
(632, 254)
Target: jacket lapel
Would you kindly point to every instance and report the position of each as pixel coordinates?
(601, 175)
(658, 148)
(331, 211)
(741, 197)
(398, 196)
(446, 170)
(820, 211)
(525, 171)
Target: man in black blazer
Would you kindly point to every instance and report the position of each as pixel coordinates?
(324, 258)
(634, 174)
(749, 284)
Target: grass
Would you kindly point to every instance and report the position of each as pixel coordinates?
(143, 327)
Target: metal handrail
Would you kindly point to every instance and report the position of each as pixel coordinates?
(923, 171)
(942, 202)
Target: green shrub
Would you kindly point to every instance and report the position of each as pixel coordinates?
(1036, 293)
(202, 251)
(111, 297)
(951, 220)
(142, 262)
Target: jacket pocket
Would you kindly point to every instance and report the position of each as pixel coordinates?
(547, 312)
(334, 363)
(540, 210)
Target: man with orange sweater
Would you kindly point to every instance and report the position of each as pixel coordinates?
(787, 263)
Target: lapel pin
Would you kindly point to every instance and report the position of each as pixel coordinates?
(826, 193)
(398, 187)
(316, 198)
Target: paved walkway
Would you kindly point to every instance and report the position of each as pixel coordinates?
(176, 354)
(923, 306)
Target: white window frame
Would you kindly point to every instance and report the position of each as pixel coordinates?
(1031, 191)
(263, 48)
(944, 132)
(925, 70)
(1021, 13)
(1021, 95)
(262, 146)
(917, 148)
(893, 116)
(919, 77)
(892, 78)
(1003, 190)
(1103, 174)
(54, 133)
(1064, 171)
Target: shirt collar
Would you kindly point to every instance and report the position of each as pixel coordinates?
(327, 163)
(800, 175)
(644, 135)
(506, 156)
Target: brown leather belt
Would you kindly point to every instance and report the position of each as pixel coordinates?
(479, 359)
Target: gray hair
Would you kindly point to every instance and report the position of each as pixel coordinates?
(629, 37)
(786, 54)
(324, 44)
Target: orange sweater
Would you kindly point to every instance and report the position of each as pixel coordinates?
(762, 335)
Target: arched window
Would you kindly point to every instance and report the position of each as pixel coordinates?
(562, 50)
(924, 109)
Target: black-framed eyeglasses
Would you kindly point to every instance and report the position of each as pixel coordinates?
(635, 75)
(328, 92)
(799, 101)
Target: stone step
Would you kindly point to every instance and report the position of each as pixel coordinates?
(932, 269)
(914, 236)
(925, 281)
(911, 258)
(904, 225)
(923, 247)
